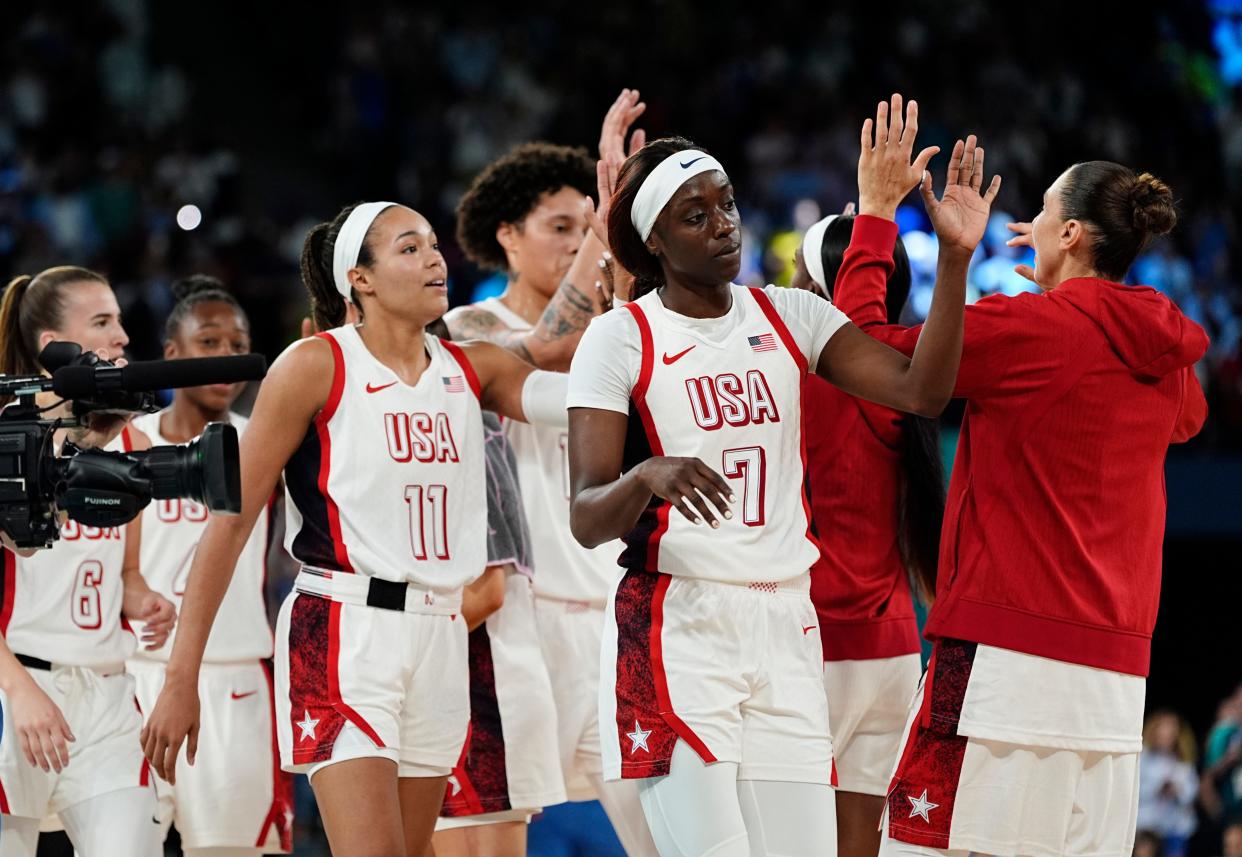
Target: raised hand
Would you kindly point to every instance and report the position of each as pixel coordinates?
(617, 122)
(886, 172)
(1021, 239)
(960, 216)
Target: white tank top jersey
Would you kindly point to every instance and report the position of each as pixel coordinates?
(389, 481)
(564, 569)
(64, 603)
(170, 533)
(728, 391)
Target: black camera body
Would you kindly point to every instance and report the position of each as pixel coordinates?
(104, 488)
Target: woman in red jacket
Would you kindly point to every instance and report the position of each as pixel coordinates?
(876, 487)
(1026, 735)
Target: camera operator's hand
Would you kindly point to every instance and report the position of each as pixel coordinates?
(42, 732)
(157, 614)
(99, 431)
(174, 719)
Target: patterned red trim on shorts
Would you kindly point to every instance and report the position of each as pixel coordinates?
(480, 780)
(4, 800)
(280, 813)
(314, 721)
(647, 726)
(924, 788)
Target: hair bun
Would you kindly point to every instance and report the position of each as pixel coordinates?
(1152, 206)
(194, 284)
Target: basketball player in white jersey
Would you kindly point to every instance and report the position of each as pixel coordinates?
(510, 766)
(524, 215)
(236, 802)
(378, 430)
(70, 719)
(711, 691)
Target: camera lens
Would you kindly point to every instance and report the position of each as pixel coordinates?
(205, 470)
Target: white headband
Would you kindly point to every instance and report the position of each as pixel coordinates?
(349, 242)
(813, 251)
(662, 182)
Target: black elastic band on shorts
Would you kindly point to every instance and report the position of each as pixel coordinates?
(34, 663)
(386, 594)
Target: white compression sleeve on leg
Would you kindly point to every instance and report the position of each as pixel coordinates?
(120, 822)
(694, 811)
(788, 819)
(543, 398)
(619, 799)
(20, 836)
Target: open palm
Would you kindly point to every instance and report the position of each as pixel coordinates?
(960, 216)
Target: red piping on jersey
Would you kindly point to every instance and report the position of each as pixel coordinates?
(10, 590)
(334, 678)
(660, 680)
(270, 537)
(282, 797)
(4, 801)
(467, 367)
(325, 450)
(639, 397)
(765, 304)
(127, 440)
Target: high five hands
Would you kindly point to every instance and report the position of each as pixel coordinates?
(614, 280)
(887, 172)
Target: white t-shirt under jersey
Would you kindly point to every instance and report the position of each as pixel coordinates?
(564, 569)
(171, 530)
(728, 391)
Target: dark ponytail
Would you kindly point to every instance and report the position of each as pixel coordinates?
(192, 291)
(32, 305)
(921, 511)
(1124, 211)
(327, 304)
(623, 239)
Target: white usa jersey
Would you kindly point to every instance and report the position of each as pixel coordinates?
(564, 569)
(389, 481)
(728, 391)
(171, 530)
(63, 604)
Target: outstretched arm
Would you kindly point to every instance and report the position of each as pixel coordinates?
(551, 342)
(922, 383)
(294, 391)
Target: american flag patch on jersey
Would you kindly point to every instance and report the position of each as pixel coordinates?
(453, 384)
(762, 342)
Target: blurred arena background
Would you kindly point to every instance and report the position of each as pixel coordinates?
(152, 140)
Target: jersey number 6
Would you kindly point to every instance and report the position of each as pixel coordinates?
(85, 606)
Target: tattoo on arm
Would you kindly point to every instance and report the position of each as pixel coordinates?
(474, 323)
(569, 312)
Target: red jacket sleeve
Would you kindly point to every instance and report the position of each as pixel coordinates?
(862, 279)
(1194, 408)
(1002, 337)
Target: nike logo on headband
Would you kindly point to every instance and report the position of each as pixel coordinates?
(692, 162)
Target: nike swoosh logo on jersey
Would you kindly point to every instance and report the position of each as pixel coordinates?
(690, 163)
(669, 361)
(375, 389)
(236, 695)
(807, 629)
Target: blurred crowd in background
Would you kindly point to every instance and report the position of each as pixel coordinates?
(154, 140)
(150, 141)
